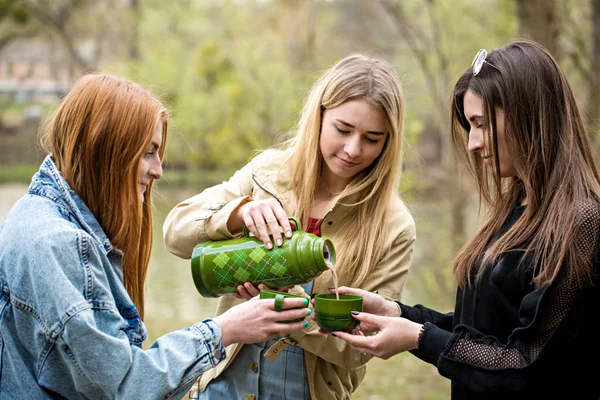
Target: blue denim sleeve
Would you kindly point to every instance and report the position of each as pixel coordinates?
(84, 345)
(105, 365)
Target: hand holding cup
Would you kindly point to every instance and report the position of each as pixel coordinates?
(279, 298)
(257, 320)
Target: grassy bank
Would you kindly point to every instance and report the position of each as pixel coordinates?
(18, 173)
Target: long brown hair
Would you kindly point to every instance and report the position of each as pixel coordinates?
(375, 80)
(553, 157)
(97, 137)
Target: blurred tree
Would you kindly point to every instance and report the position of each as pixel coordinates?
(297, 21)
(134, 45)
(582, 45)
(579, 27)
(593, 76)
(56, 17)
(14, 22)
(86, 30)
(539, 20)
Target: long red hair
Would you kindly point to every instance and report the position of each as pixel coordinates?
(97, 137)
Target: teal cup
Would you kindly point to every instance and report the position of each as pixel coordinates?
(335, 315)
(279, 296)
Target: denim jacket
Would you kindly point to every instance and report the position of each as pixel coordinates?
(68, 328)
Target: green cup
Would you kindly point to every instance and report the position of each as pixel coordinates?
(335, 315)
(279, 296)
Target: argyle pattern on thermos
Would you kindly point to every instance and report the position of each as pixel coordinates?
(250, 265)
(219, 266)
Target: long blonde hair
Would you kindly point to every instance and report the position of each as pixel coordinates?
(376, 189)
(554, 160)
(97, 137)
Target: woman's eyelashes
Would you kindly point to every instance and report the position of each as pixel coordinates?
(151, 150)
(365, 137)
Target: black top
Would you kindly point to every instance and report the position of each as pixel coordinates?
(508, 338)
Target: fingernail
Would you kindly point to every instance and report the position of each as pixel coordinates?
(279, 242)
(269, 246)
(306, 324)
(288, 234)
(309, 311)
(355, 312)
(306, 303)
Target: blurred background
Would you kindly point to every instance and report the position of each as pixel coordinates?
(235, 74)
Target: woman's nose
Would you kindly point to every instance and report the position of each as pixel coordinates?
(475, 141)
(352, 146)
(156, 170)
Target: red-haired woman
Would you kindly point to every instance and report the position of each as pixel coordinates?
(74, 253)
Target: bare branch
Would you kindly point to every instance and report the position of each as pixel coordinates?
(12, 36)
(578, 41)
(418, 45)
(437, 42)
(594, 80)
(42, 11)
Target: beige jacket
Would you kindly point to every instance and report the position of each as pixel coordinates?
(334, 369)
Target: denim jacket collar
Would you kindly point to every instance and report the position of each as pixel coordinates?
(48, 182)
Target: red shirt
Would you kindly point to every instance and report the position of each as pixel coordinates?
(314, 226)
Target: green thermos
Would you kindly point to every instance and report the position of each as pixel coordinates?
(218, 267)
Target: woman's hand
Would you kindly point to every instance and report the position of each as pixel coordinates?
(256, 320)
(395, 335)
(372, 302)
(262, 217)
(248, 290)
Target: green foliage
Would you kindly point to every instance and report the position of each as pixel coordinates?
(16, 10)
(231, 91)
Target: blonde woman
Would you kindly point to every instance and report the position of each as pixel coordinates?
(74, 253)
(339, 173)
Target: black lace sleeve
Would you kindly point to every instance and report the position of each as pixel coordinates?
(553, 321)
(475, 359)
